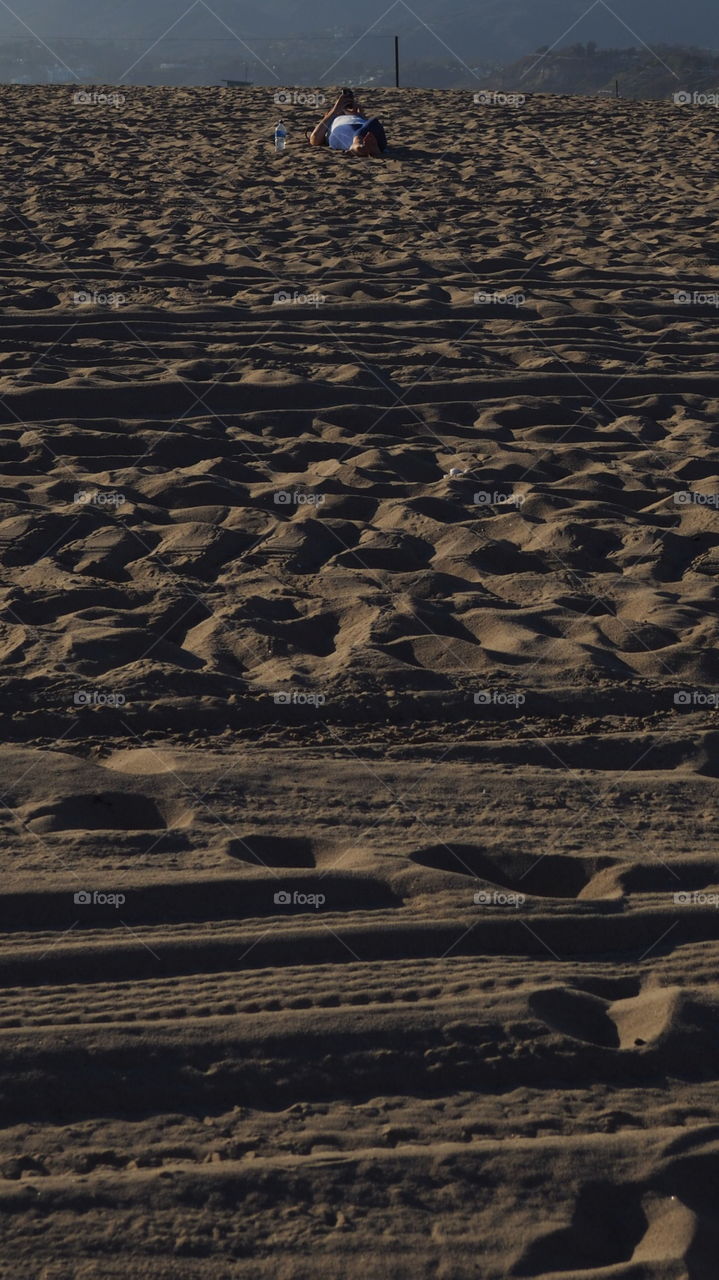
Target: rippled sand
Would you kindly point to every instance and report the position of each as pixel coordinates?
(359, 536)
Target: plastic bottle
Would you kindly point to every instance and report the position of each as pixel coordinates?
(280, 136)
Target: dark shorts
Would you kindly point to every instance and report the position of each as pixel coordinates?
(374, 126)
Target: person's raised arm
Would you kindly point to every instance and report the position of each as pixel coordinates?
(320, 131)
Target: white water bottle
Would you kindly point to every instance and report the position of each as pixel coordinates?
(280, 136)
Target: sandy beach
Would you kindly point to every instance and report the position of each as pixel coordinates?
(359, 542)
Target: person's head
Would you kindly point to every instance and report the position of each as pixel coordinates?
(367, 145)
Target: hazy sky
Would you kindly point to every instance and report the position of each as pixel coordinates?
(484, 28)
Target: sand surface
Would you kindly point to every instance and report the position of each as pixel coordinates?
(394, 596)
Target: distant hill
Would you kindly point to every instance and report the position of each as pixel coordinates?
(584, 69)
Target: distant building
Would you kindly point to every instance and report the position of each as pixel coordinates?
(60, 75)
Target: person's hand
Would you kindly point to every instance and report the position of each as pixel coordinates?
(342, 103)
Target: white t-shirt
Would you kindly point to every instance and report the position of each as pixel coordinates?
(344, 129)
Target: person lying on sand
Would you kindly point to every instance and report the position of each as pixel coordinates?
(345, 127)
